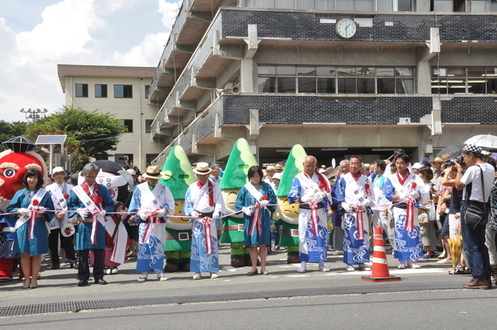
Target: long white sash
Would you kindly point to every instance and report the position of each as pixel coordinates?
(60, 203)
(311, 187)
(149, 202)
(253, 191)
(203, 190)
(38, 196)
(92, 207)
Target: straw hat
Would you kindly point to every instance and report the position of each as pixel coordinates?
(278, 167)
(153, 172)
(270, 168)
(202, 168)
(437, 160)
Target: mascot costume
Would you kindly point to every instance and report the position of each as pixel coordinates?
(287, 215)
(116, 179)
(235, 177)
(14, 162)
(177, 175)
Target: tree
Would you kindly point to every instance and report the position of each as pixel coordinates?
(89, 133)
(11, 130)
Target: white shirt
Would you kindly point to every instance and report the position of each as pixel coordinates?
(472, 175)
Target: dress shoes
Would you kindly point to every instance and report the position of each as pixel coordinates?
(479, 282)
(100, 281)
(83, 283)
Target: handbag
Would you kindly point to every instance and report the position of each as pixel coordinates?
(475, 214)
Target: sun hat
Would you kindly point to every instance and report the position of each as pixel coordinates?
(202, 168)
(153, 172)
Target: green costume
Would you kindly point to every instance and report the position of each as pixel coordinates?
(177, 174)
(288, 214)
(234, 177)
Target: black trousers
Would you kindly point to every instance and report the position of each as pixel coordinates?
(84, 264)
(66, 243)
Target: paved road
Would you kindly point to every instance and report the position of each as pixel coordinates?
(424, 297)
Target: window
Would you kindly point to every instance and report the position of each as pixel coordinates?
(100, 90)
(148, 123)
(123, 91)
(147, 89)
(81, 90)
(332, 80)
(474, 80)
(128, 123)
(125, 160)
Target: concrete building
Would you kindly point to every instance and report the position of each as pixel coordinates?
(339, 77)
(122, 91)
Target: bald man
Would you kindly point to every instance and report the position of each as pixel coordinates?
(313, 190)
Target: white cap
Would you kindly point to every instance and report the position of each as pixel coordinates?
(58, 169)
(131, 171)
(417, 166)
(276, 176)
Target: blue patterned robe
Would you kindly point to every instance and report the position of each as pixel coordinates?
(311, 248)
(151, 252)
(408, 244)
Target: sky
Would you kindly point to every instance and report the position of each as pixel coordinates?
(36, 35)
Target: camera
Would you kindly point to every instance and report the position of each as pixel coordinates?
(459, 160)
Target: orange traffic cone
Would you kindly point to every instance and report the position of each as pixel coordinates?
(380, 271)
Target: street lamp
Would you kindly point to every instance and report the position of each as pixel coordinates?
(33, 115)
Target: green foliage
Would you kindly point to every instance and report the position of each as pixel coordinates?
(11, 130)
(89, 133)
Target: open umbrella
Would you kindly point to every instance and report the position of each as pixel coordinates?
(455, 245)
(483, 140)
(450, 152)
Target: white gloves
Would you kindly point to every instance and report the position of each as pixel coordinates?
(194, 214)
(264, 203)
(247, 210)
(215, 217)
(324, 195)
(161, 213)
(413, 194)
(24, 212)
(347, 207)
(40, 209)
(101, 212)
(84, 213)
(367, 202)
(143, 216)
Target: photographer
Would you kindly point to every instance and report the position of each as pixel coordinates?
(477, 181)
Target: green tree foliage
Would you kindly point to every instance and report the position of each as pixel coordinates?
(89, 133)
(11, 130)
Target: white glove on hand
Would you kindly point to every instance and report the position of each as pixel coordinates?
(40, 210)
(194, 214)
(215, 217)
(264, 203)
(324, 194)
(24, 211)
(247, 210)
(143, 216)
(101, 212)
(84, 213)
(161, 213)
(367, 202)
(347, 208)
(413, 194)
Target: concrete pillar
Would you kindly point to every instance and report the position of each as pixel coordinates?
(424, 77)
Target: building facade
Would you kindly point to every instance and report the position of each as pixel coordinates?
(123, 92)
(339, 77)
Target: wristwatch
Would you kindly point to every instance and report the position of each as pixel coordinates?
(462, 172)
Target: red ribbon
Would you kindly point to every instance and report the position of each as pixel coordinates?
(207, 234)
(366, 187)
(152, 219)
(314, 217)
(256, 220)
(409, 225)
(359, 209)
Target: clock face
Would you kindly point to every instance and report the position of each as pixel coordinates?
(345, 28)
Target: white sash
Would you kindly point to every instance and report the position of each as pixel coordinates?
(203, 190)
(149, 201)
(311, 187)
(83, 197)
(60, 203)
(254, 192)
(38, 196)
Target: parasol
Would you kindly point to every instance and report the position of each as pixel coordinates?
(455, 245)
(19, 144)
(483, 140)
(450, 152)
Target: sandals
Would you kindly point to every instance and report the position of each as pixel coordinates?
(458, 271)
